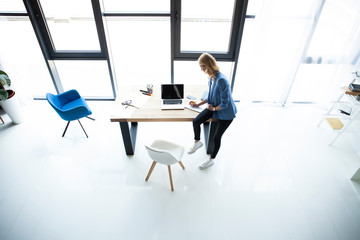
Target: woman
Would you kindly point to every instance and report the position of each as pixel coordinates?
(220, 106)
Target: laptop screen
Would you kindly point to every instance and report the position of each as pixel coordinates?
(172, 91)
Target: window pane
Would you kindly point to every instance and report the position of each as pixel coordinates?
(137, 5)
(245, 78)
(332, 53)
(337, 25)
(254, 7)
(91, 78)
(309, 79)
(271, 49)
(23, 60)
(12, 6)
(141, 49)
(189, 72)
(71, 24)
(206, 25)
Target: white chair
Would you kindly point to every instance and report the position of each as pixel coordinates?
(167, 153)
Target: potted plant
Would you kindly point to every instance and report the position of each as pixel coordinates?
(7, 99)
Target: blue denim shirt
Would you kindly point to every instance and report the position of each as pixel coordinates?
(220, 94)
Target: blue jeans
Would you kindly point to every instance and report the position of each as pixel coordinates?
(220, 129)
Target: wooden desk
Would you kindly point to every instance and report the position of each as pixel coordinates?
(149, 110)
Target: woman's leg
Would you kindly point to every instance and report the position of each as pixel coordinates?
(221, 128)
(200, 119)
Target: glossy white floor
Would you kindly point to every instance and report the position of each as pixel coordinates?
(275, 178)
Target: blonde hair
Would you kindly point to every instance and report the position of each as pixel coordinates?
(210, 62)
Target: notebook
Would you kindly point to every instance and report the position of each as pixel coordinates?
(172, 96)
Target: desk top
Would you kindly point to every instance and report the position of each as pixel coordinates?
(149, 107)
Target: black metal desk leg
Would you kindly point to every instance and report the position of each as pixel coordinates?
(209, 136)
(129, 136)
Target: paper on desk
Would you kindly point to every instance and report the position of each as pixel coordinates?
(196, 109)
(137, 100)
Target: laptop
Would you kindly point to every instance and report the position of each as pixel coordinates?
(172, 96)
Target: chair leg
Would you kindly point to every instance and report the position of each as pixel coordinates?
(83, 128)
(150, 170)
(171, 182)
(90, 118)
(66, 128)
(181, 164)
(2, 120)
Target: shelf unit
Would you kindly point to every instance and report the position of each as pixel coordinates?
(339, 121)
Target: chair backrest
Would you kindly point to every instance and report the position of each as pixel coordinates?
(55, 103)
(53, 100)
(161, 156)
(58, 101)
(69, 105)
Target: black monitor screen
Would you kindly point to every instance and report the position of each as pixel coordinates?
(172, 91)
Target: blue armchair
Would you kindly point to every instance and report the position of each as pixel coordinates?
(70, 106)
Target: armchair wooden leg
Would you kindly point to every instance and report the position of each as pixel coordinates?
(181, 164)
(171, 182)
(150, 170)
(2, 120)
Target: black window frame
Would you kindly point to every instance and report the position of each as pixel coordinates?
(37, 14)
(43, 35)
(238, 20)
(232, 55)
(42, 32)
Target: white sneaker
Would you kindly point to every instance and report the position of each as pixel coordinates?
(207, 164)
(195, 147)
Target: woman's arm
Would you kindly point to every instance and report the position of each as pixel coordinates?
(224, 93)
(212, 108)
(199, 104)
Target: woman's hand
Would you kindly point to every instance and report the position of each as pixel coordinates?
(194, 104)
(211, 107)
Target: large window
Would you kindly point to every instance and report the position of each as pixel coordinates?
(91, 78)
(206, 25)
(140, 48)
(129, 42)
(71, 28)
(274, 51)
(139, 35)
(332, 53)
(72, 38)
(297, 51)
(23, 60)
(137, 6)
